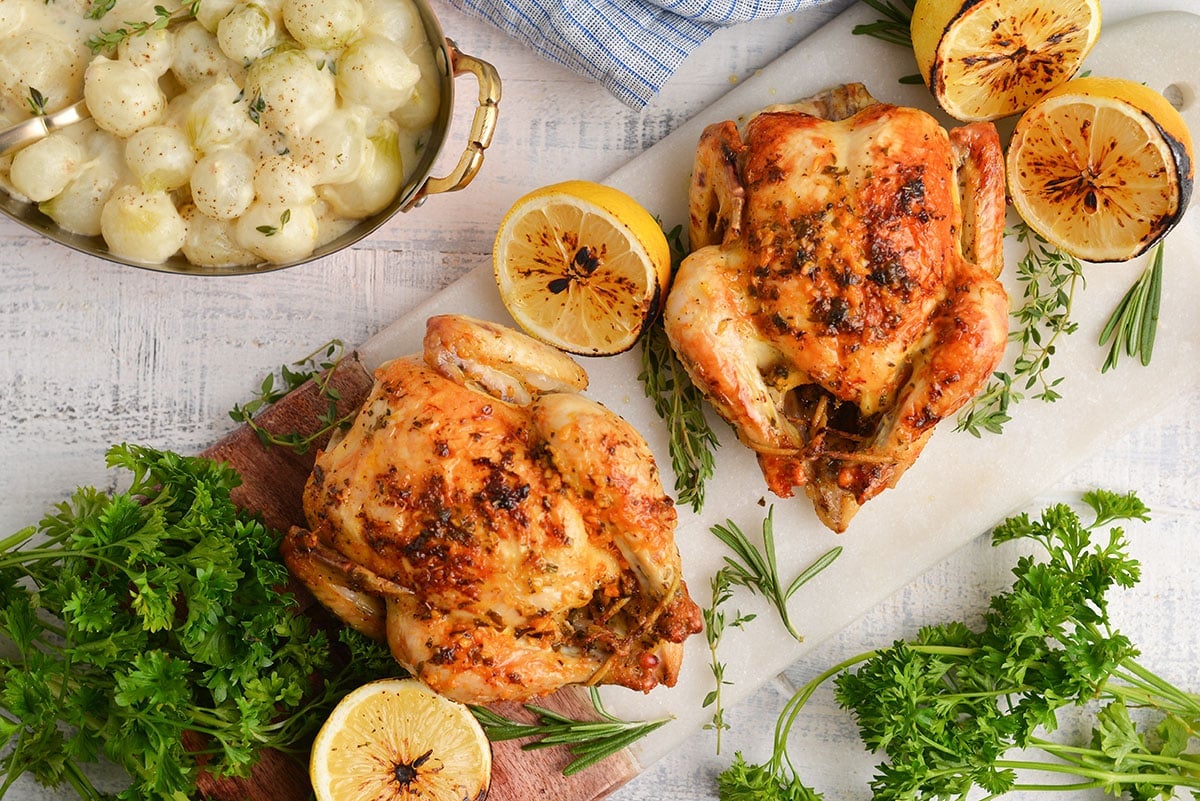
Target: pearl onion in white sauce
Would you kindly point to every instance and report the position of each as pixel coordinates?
(251, 133)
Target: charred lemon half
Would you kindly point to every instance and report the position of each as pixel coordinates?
(989, 59)
(397, 740)
(1101, 167)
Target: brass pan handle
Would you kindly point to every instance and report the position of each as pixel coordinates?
(483, 125)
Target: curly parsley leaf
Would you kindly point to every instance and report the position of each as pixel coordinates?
(956, 709)
(138, 617)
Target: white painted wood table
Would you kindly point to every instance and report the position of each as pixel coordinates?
(92, 354)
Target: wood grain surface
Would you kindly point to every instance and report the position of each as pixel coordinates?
(92, 354)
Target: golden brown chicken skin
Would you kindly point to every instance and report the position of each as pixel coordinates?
(841, 295)
(504, 534)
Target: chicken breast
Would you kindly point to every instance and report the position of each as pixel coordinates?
(841, 297)
(503, 533)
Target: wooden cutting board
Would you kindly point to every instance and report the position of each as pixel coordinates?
(956, 491)
(273, 479)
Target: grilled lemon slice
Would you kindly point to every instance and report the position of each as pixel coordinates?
(1101, 168)
(581, 266)
(397, 740)
(992, 58)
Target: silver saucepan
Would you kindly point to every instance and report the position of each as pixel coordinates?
(451, 63)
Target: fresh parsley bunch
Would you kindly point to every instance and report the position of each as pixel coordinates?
(951, 708)
(143, 618)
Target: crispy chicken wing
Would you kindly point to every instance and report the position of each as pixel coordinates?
(506, 535)
(841, 295)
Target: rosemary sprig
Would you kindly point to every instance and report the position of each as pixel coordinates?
(893, 27)
(1050, 279)
(715, 624)
(758, 571)
(110, 40)
(1134, 323)
(317, 366)
(588, 741)
(894, 23)
(680, 404)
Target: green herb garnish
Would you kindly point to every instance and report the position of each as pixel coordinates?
(894, 23)
(1050, 279)
(588, 741)
(893, 27)
(271, 230)
(110, 40)
(679, 403)
(138, 617)
(1134, 323)
(715, 624)
(36, 102)
(255, 109)
(99, 8)
(959, 708)
(758, 571)
(318, 367)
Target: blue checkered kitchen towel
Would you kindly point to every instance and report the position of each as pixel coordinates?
(630, 46)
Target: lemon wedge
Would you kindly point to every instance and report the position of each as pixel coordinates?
(993, 58)
(397, 740)
(1101, 167)
(581, 266)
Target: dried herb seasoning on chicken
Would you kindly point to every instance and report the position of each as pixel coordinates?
(505, 534)
(841, 295)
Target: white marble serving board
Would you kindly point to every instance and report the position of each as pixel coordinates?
(961, 485)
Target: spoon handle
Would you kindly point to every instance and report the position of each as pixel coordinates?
(25, 133)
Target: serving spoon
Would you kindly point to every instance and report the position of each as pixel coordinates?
(25, 133)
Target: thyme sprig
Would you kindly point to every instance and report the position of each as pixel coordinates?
(318, 366)
(588, 741)
(1050, 279)
(99, 8)
(758, 571)
(680, 404)
(36, 102)
(715, 625)
(163, 18)
(271, 230)
(1134, 323)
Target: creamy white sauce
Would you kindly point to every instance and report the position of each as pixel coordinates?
(257, 77)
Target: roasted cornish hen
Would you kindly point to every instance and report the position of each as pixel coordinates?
(504, 534)
(841, 294)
